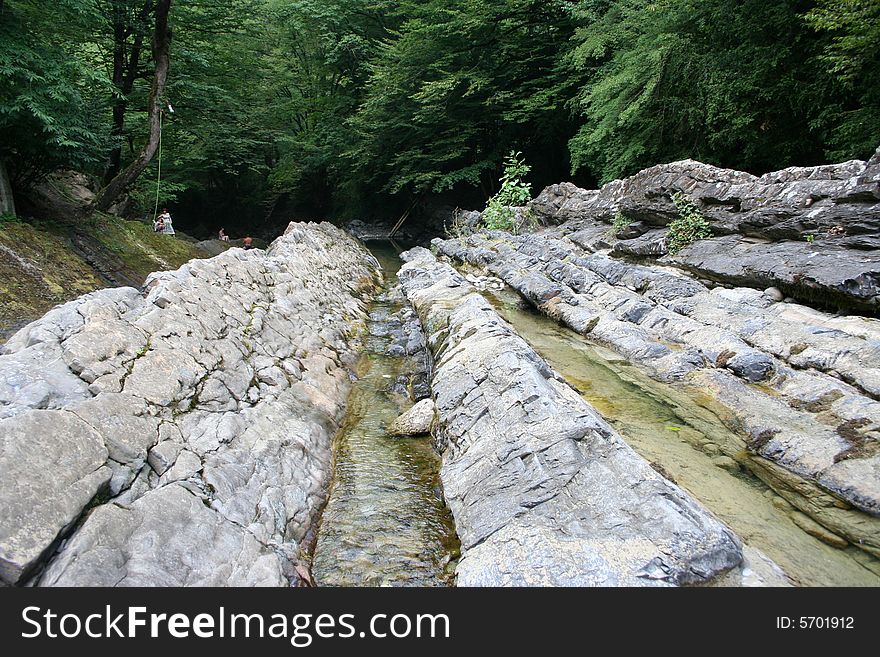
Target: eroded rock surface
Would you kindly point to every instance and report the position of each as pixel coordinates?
(195, 417)
(544, 492)
(814, 232)
(799, 385)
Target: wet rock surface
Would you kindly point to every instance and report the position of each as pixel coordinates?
(813, 232)
(183, 434)
(799, 385)
(543, 491)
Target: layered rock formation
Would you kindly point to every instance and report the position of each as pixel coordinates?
(799, 385)
(814, 232)
(181, 436)
(544, 492)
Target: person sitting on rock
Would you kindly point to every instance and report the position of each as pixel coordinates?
(248, 242)
(167, 228)
(159, 224)
(223, 236)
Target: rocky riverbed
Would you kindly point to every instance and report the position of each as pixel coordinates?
(190, 432)
(182, 435)
(797, 385)
(385, 523)
(545, 492)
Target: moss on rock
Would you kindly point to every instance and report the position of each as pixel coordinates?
(45, 263)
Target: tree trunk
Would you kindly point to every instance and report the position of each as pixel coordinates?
(161, 56)
(7, 204)
(125, 72)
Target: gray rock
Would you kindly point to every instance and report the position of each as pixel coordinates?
(53, 466)
(832, 274)
(543, 491)
(815, 415)
(191, 546)
(227, 377)
(781, 205)
(416, 421)
(760, 225)
(163, 455)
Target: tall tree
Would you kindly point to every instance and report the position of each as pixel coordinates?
(459, 86)
(161, 46)
(733, 82)
(130, 23)
(50, 104)
(852, 55)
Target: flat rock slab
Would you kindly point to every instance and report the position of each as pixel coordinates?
(193, 546)
(189, 425)
(543, 491)
(53, 464)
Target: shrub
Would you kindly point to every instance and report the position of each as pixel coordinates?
(689, 227)
(619, 222)
(499, 213)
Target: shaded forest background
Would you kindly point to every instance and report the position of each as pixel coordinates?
(359, 108)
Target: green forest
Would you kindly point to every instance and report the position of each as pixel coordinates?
(360, 108)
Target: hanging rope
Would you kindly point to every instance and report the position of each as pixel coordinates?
(159, 175)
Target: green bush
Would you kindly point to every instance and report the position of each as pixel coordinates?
(689, 227)
(619, 222)
(499, 213)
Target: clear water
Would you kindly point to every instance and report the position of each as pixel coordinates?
(385, 523)
(676, 432)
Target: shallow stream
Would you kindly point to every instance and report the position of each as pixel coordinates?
(385, 523)
(680, 437)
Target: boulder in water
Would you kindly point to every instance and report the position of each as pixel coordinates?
(416, 421)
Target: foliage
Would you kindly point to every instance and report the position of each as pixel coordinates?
(514, 193)
(143, 194)
(347, 107)
(690, 226)
(49, 92)
(619, 222)
(855, 26)
(852, 56)
(454, 87)
(731, 82)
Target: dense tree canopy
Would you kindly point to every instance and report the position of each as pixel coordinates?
(361, 107)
